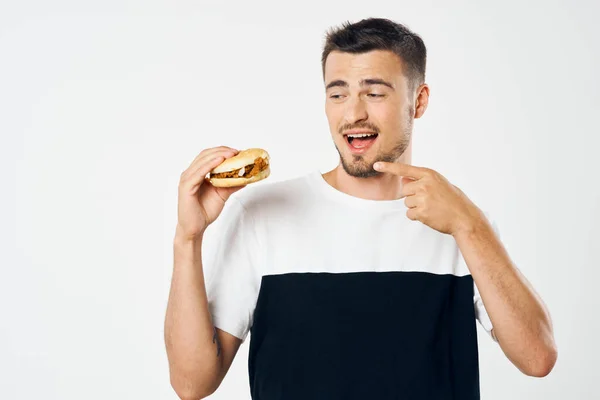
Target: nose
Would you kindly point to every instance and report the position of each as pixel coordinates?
(355, 110)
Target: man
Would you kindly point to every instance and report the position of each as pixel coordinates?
(362, 283)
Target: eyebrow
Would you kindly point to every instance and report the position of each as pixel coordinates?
(364, 82)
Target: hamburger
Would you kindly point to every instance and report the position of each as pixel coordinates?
(248, 166)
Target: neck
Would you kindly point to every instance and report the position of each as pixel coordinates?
(380, 187)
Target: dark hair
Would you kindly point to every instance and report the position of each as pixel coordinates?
(380, 34)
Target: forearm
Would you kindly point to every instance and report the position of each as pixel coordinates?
(192, 349)
(521, 322)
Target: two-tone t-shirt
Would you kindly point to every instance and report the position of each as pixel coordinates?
(343, 297)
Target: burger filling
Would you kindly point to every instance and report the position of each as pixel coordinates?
(259, 165)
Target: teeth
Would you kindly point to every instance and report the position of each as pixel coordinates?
(362, 135)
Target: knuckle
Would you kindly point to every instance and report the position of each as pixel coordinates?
(225, 149)
(432, 174)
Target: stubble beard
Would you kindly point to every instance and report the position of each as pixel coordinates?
(358, 167)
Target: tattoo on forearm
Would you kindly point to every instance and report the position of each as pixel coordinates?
(216, 340)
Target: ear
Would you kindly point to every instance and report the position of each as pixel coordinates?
(421, 100)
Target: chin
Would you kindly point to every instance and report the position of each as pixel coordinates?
(358, 167)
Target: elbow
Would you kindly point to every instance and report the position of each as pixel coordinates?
(192, 395)
(190, 390)
(544, 363)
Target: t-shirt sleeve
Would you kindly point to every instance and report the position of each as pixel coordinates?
(230, 258)
(480, 311)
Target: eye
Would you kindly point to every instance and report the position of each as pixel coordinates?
(375, 95)
(336, 96)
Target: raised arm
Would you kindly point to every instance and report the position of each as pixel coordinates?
(199, 354)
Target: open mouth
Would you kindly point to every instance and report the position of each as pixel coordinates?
(361, 142)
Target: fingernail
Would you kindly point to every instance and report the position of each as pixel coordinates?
(377, 165)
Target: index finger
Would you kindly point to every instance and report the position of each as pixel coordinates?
(212, 151)
(401, 169)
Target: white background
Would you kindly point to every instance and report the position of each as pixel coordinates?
(102, 106)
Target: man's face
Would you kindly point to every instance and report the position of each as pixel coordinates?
(368, 94)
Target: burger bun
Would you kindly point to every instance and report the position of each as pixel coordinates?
(240, 160)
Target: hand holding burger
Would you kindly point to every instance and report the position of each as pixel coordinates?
(201, 198)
